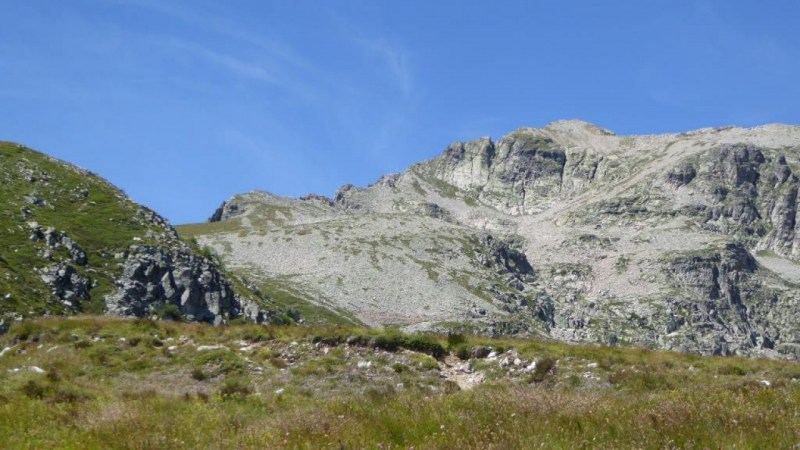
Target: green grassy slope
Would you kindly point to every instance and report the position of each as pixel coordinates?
(38, 191)
(90, 211)
(89, 382)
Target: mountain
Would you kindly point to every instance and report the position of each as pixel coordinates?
(682, 241)
(73, 243)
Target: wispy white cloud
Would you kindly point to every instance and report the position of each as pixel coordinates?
(228, 62)
(214, 21)
(393, 57)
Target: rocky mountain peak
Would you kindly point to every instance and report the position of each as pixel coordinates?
(683, 241)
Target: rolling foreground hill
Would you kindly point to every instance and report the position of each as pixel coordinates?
(680, 241)
(73, 243)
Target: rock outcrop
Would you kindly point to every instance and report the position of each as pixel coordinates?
(153, 277)
(75, 244)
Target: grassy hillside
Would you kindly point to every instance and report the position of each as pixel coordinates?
(84, 207)
(89, 382)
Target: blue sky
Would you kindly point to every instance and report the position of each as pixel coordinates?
(185, 103)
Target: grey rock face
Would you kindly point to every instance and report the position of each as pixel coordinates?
(217, 216)
(727, 306)
(225, 211)
(505, 256)
(154, 277)
(515, 174)
(316, 198)
(681, 175)
(67, 284)
(686, 241)
(54, 239)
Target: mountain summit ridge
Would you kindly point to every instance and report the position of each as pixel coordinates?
(682, 241)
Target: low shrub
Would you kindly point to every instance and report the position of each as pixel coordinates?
(455, 339)
(235, 387)
(462, 352)
(34, 389)
(199, 374)
(543, 367)
(170, 312)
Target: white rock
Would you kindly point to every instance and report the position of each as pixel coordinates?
(492, 355)
(279, 391)
(517, 362)
(172, 348)
(203, 348)
(531, 366)
(592, 365)
(765, 383)
(504, 362)
(364, 364)
(34, 369)
(6, 350)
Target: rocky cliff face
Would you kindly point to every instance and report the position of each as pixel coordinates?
(74, 243)
(682, 241)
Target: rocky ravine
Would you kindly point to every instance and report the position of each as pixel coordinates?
(681, 241)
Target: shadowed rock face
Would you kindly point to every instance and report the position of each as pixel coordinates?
(153, 277)
(681, 175)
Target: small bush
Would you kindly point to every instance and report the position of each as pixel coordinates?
(425, 362)
(399, 367)
(54, 375)
(732, 370)
(71, 394)
(462, 352)
(479, 352)
(34, 389)
(389, 343)
(25, 330)
(170, 312)
(198, 374)
(83, 343)
(451, 387)
(424, 344)
(277, 362)
(235, 387)
(380, 393)
(543, 367)
(643, 380)
(455, 339)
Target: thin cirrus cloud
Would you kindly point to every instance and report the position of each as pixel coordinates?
(394, 59)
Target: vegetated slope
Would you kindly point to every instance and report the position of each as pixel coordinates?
(110, 383)
(73, 243)
(680, 241)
